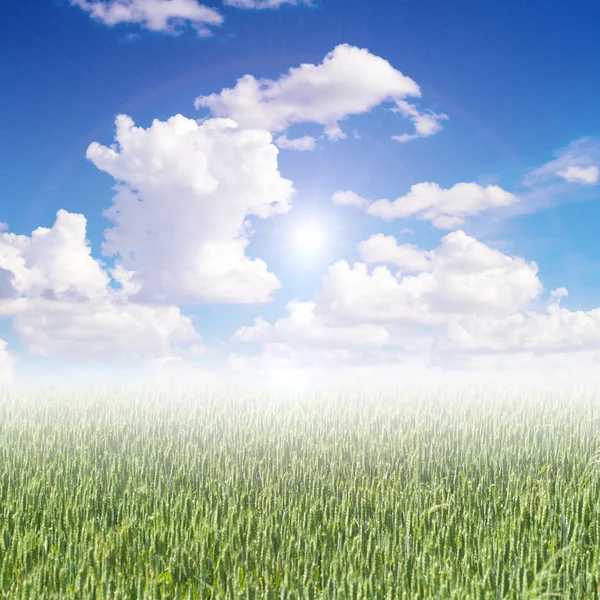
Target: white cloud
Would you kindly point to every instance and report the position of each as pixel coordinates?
(352, 294)
(571, 176)
(53, 263)
(426, 124)
(125, 279)
(578, 162)
(445, 208)
(303, 144)
(6, 364)
(349, 81)
(356, 310)
(348, 199)
(260, 4)
(589, 175)
(156, 15)
(101, 328)
(462, 276)
(467, 311)
(381, 248)
(304, 328)
(334, 133)
(184, 192)
(556, 329)
(62, 304)
(559, 293)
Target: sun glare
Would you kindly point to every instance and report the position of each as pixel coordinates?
(309, 239)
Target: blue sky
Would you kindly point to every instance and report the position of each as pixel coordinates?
(509, 94)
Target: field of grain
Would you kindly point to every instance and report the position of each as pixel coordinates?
(141, 494)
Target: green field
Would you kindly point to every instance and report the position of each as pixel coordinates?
(333, 495)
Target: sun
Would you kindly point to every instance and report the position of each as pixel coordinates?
(309, 239)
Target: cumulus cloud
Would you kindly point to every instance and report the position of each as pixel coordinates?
(53, 263)
(168, 16)
(6, 364)
(376, 324)
(349, 198)
(445, 208)
(334, 132)
(426, 123)
(349, 81)
(356, 310)
(62, 302)
(381, 248)
(100, 329)
(559, 293)
(461, 276)
(553, 330)
(260, 4)
(468, 309)
(304, 328)
(184, 193)
(303, 144)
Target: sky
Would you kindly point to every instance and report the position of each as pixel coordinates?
(295, 191)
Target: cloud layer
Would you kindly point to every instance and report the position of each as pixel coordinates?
(463, 305)
(179, 234)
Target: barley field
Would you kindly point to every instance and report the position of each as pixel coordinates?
(381, 494)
